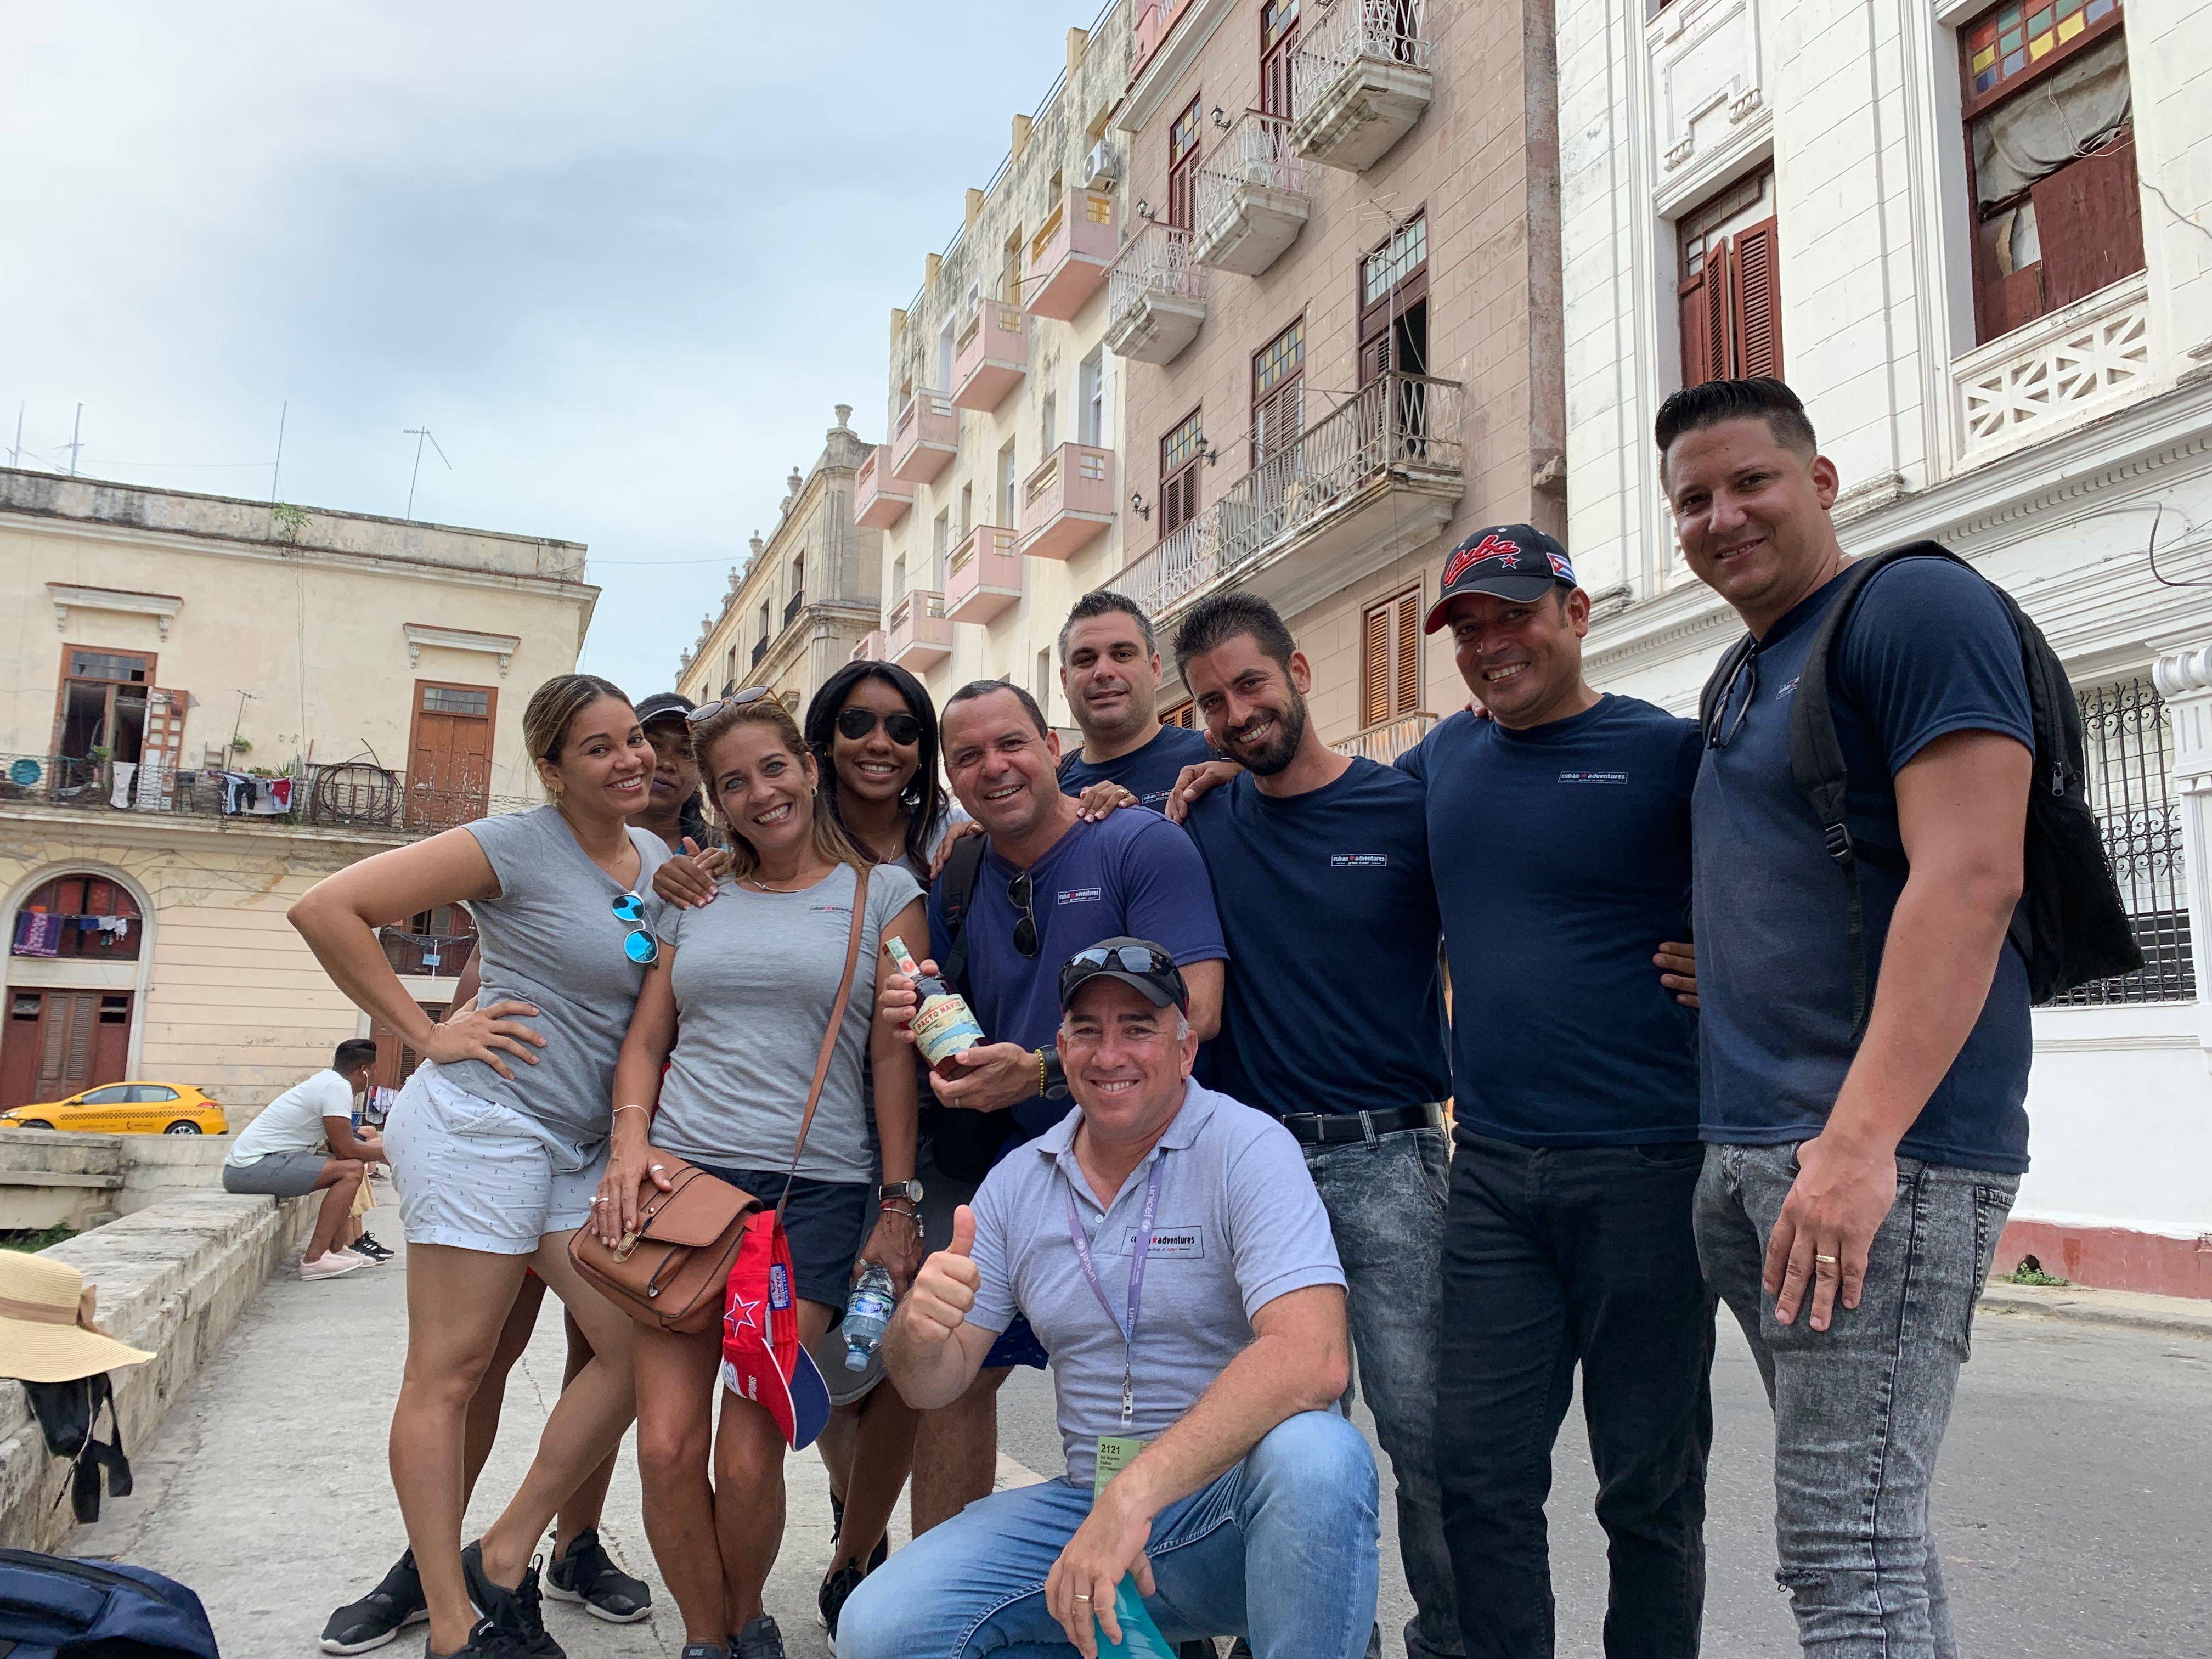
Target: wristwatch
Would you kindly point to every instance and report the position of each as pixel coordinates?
(892, 1190)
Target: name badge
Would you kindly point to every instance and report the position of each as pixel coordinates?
(1115, 1452)
(1169, 1243)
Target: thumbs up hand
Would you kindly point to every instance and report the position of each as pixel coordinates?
(944, 1289)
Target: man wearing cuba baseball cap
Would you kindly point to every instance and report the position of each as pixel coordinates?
(1516, 562)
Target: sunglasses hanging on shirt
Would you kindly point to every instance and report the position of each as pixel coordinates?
(641, 947)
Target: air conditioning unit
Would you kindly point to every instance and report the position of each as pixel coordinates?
(1102, 166)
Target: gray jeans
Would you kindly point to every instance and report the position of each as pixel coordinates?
(1860, 1408)
(1386, 1206)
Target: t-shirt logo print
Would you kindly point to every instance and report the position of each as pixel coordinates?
(1490, 547)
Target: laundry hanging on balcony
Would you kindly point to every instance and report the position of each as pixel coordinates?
(38, 934)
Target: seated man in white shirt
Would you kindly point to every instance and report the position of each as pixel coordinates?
(304, 1141)
(1198, 1385)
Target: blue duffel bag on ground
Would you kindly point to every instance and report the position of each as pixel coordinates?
(52, 1607)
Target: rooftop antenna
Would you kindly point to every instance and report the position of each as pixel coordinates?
(277, 471)
(421, 434)
(15, 455)
(76, 440)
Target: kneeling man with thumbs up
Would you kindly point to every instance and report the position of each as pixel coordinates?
(1171, 1251)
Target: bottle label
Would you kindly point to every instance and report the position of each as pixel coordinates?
(943, 1027)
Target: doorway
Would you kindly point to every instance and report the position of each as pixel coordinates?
(59, 1043)
(449, 754)
(102, 703)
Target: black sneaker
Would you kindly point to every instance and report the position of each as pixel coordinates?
(759, 1639)
(704, 1650)
(365, 1245)
(517, 1612)
(588, 1575)
(378, 1616)
(836, 1591)
(488, 1640)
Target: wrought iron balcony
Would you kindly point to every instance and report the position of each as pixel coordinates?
(794, 605)
(1385, 742)
(879, 500)
(1252, 196)
(924, 437)
(760, 650)
(1069, 254)
(1067, 500)
(1156, 296)
(921, 633)
(984, 576)
(1369, 482)
(992, 355)
(1359, 80)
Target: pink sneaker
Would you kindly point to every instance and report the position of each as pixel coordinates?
(330, 1264)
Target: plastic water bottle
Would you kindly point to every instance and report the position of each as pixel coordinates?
(1140, 1636)
(866, 1312)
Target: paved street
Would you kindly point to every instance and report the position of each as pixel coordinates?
(2073, 1508)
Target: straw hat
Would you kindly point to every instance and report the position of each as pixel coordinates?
(46, 1332)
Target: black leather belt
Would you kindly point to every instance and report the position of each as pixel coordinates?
(1342, 1128)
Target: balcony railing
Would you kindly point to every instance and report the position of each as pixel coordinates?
(879, 500)
(436, 956)
(920, 633)
(760, 650)
(1067, 500)
(1359, 80)
(349, 795)
(794, 605)
(1068, 256)
(992, 355)
(1385, 742)
(924, 437)
(984, 576)
(874, 646)
(1252, 196)
(1155, 296)
(1398, 426)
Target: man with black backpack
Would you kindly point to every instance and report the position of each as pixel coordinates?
(1862, 841)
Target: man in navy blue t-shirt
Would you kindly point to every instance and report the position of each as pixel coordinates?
(1110, 667)
(1050, 883)
(1857, 1176)
(1333, 1024)
(1558, 831)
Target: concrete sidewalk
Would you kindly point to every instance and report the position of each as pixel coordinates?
(267, 1493)
(2174, 1315)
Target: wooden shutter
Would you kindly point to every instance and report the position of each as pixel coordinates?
(161, 748)
(1408, 693)
(2088, 217)
(1390, 659)
(1375, 666)
(1754, 262)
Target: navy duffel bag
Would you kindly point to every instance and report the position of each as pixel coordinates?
(54, 1608)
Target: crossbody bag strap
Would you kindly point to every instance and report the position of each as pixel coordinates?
(829, 1038)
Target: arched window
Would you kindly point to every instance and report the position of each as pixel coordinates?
(93, 917)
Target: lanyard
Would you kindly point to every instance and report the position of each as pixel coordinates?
(1144, 1249)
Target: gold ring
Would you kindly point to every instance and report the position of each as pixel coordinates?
(1830, 1260)
(1082, 1598)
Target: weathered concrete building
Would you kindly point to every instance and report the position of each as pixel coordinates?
(805, 597)
(1972, 236)
(209, 704)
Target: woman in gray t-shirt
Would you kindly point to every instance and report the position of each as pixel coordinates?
(738, 1021)
(497, 1141)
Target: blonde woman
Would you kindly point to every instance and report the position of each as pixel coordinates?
(498, 1140)
(738, 1019)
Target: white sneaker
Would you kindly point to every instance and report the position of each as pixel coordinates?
(330, 1264)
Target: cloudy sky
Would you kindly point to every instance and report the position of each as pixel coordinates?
(623, 264)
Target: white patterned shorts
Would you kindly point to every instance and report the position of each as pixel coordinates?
(476, 1173)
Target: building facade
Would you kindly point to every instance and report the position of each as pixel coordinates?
(1000, 490)
(797, 608)
(1973, 238)
(1337, 298)
(211, 703)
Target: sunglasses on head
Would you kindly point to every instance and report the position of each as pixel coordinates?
(735, 700)
(856, 723)
(1129, 958)
(641, 947)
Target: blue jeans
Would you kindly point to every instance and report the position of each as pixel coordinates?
(1280, 1550)
(1860, 1408)
(1386, 1208)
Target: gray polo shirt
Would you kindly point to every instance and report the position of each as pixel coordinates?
(1239, 1223)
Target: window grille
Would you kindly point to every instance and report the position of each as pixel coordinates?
(2130, 748)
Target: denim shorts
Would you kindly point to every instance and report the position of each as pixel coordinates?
(822, 1224)
(478, 1175)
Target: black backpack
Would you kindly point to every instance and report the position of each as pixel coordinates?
(2070, 926)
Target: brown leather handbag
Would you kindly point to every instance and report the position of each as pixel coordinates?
(671, 1271)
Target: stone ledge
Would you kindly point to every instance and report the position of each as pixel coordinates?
(173, 1279)
(2174, 1315)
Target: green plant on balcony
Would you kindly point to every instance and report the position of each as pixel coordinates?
(287, 521)
(240, 745)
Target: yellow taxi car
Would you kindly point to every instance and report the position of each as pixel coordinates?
(150, 1108)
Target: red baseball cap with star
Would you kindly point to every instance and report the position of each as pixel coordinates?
(762, 1358)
